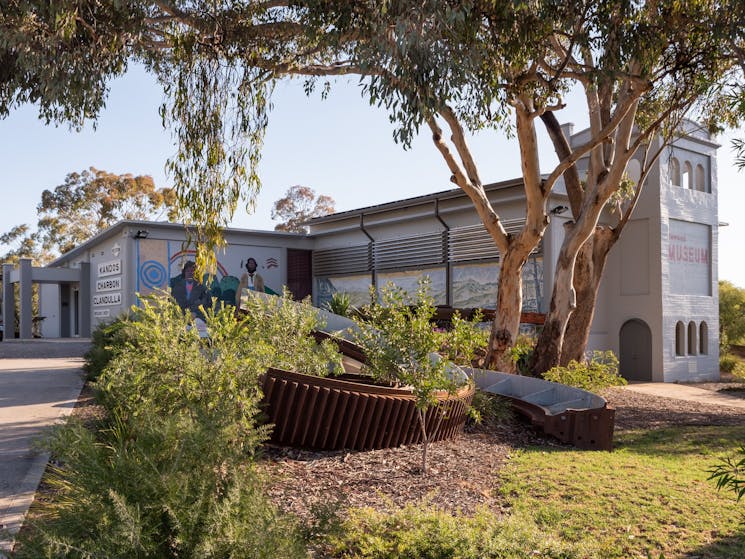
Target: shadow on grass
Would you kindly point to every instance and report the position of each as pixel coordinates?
(725, 547)
(682, 441)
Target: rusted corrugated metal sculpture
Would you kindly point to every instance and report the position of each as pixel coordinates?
(345, 412)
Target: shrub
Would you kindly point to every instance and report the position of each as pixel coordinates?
(287, 327)
(106, 340)
(171, 475)
(340, 304)
(416, 532)
(465, 339)
(157, 487)
(600, 371)
(400, 345)
(728, 362)
(739, 371)
(522, 352)
(490, 409)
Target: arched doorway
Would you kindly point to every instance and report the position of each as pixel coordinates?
(636, 350)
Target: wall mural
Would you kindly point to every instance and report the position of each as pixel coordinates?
(474, 285)
(160, 266)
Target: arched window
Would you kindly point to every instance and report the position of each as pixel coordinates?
(675, 172)
(692, 338)
(680, 339)
(703, 338)
(700, 178)
(687, 175)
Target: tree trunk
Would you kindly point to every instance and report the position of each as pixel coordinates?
(506, 323)
(588, 272)
(563, 301)
(422, 415)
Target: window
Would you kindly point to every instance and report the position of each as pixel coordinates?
(675, 172)
(700, 178)
(692, 338)
(687, 176)
(680, 339)
(703, 339)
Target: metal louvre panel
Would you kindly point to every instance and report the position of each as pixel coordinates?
(341, 261)
(419, 250)
(473, 242)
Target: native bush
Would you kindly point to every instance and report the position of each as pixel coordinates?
(287, 327)
(400, 345)
(739, 371)
(490, 409)
(341, 304)
(158, 487)
(424, 532)
(106, 340)
(600, 371)
(522, 352)
(465, 339)
(171, 474)
(728, 362)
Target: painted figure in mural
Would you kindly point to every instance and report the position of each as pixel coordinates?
(250, 280)
(189, 293)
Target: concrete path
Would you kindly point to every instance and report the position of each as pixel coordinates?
(35, 393)
(687, 392)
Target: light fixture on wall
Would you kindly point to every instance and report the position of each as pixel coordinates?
(558, 210)
(141, 234)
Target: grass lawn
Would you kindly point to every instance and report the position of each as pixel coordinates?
(647, 497)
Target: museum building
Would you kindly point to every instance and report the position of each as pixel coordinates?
(657, 307)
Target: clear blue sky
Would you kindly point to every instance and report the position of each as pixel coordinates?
(341, 147)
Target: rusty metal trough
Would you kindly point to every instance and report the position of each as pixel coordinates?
(570, 414)
(348, 412)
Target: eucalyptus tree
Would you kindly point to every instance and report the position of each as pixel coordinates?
(447, 65)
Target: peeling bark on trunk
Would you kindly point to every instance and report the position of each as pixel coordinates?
(563, 301)
(588, 272)
(507, 320)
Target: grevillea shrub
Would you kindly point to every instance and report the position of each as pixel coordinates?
(600, 371)
(169, 473)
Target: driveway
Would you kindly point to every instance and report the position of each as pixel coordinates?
(39, 384)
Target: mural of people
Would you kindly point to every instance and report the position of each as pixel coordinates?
(189, 293)
(250, 280)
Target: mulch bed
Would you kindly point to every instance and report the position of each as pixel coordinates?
(463, 471)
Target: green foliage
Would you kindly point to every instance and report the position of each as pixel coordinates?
(341, 304)
(170, 474)
(731, 314)
(286, 327)
(521, 354)
(424, 532)
(600, 371)
(106, 340)
(739, 371)
(157, 487)
(490, 409)
(165, 369)
(399, 342)
(92, 200)
(729, 473)
(728, 362)
(465, 340)
(400, 345)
